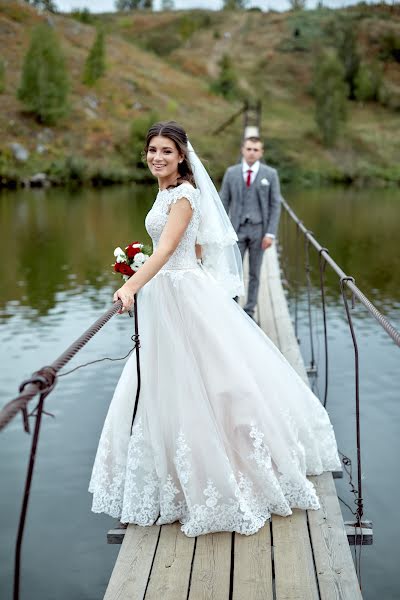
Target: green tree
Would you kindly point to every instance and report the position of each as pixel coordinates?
(226, 83)
(83, 15)
(368, 82)
(234, 4)
(330, 92)
(2, 76)
(126, 5)
(49, 5)
(297, 4)
(390, 46)
(95, 63)
(44, 80)
(138, 132)
(346, 42)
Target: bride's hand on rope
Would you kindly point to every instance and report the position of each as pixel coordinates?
(127, 298)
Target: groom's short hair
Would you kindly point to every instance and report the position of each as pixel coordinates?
(253, 139)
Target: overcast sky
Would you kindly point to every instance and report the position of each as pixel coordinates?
(108, 5)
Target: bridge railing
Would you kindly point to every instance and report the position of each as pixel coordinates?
(43, 381)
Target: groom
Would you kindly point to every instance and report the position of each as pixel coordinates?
(250, 193)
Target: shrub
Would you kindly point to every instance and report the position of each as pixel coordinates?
(95, 64)
(44, 81)
(83, 15)
(137, 138)
(226, 83)
(330, 93)
(344, 31)
(390, 49)
(71, 170)
(368, 82)
(2, 76)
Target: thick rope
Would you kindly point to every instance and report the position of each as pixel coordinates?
(47, 376)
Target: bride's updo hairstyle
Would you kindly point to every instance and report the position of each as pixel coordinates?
(176, 134)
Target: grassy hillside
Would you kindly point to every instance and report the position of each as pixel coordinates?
(164, 64)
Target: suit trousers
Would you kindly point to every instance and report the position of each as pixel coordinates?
(250, 238)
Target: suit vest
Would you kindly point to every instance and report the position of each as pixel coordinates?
(251, 208)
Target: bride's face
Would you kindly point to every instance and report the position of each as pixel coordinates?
(163, 157)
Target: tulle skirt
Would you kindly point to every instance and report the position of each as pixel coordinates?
(225, 432)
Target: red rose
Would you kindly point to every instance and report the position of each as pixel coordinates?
(123, 268)
(130, 251)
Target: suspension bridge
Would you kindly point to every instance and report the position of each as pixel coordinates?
(305, 556)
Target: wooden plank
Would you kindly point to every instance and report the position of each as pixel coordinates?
(359, 535)
(116, 535)
(132, 568)
(287, 340)
(294, 566)
(333, 560)
(170, 574)
(211, 567)
(252, 574)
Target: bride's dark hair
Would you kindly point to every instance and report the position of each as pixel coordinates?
(178, 135)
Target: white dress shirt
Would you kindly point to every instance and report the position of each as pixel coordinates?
(254, 170)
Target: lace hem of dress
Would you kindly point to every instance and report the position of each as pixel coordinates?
(132, 491)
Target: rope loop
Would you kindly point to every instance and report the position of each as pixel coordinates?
(346, 278)
(342, 282)
(44, 378)
(136, 340)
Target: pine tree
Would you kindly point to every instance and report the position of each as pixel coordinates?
(234, 4)
(297, 4)
(346, 43)
(49, 5)
(126, 5)
(138, 132)
(330, 92)
(368, 82)
(44, 81)
(2, 76)
(95, 64)
(226, 84)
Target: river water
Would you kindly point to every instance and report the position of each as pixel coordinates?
(57, 248)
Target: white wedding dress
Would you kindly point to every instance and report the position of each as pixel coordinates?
(226, 431)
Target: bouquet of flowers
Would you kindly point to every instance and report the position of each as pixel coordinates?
(129, 261)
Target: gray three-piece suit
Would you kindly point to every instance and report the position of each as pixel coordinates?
(254, 212)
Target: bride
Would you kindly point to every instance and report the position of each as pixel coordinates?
(226, 431)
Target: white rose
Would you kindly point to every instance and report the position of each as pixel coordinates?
(264, 181)
(139, 258)
(118, 251)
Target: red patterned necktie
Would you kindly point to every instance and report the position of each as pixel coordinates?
(248, 180)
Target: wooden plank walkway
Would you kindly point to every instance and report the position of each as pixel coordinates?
(305, 556)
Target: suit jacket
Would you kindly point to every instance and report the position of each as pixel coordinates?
(268, 191)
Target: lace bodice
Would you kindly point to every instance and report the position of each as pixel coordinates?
(184, 256)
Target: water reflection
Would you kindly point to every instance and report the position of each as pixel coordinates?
(59, 240)
(56, 248)
(360, 229)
